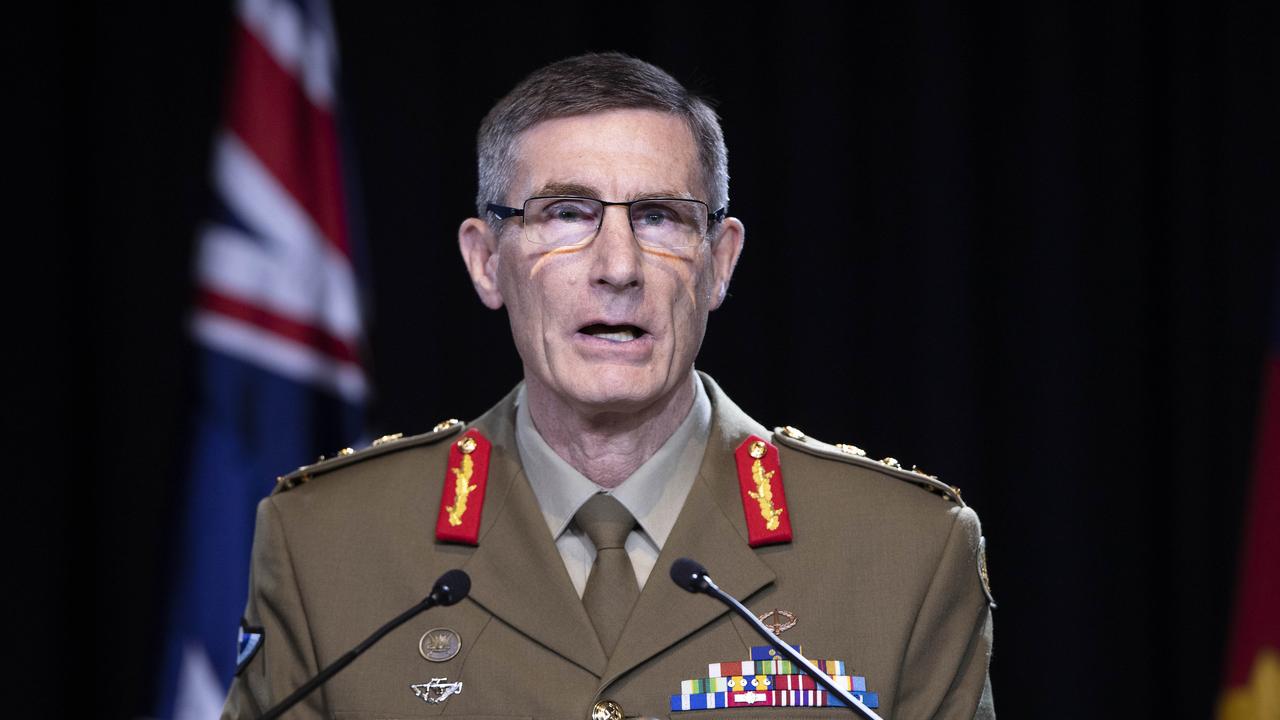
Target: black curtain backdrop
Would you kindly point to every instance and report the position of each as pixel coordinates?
(1029, 249)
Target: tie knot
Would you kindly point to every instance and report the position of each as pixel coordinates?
(606, 521)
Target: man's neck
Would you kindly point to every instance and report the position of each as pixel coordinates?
(606, 447)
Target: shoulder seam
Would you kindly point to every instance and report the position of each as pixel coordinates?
(382, 446)
(851, 455)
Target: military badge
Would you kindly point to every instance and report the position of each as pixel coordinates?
(439, 644)
(248, 643)
(436, 691)
(778, 621)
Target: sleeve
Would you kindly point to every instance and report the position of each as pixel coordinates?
(286, 658)
(945, 669)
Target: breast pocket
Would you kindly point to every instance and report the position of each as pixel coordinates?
(762, 714)
(368, 715)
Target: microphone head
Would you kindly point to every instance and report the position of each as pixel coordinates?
(689, 574)
(451, 587)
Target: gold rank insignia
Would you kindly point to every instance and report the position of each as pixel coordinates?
(763, 498)
(462, 497)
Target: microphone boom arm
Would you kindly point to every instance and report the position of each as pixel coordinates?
(708, 586)
(453, 586)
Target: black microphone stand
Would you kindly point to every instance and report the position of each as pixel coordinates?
(449, 589)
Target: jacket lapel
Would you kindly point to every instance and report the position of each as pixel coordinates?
(710, 529)
(516, 572)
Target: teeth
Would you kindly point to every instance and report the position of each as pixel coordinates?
(617, 336)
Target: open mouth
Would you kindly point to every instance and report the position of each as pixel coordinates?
(613, 333)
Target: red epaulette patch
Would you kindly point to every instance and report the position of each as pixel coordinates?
(763, 499)
(462, 499)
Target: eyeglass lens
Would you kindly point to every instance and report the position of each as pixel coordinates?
(660, 223)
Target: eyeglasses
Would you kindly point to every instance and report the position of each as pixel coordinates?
(662, 223)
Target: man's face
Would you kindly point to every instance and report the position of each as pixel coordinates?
(607, 326)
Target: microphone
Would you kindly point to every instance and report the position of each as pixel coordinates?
(691, 576)
(450, 588)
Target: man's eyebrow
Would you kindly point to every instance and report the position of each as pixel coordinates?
(663, 194)
(559, 188)
(577, 189)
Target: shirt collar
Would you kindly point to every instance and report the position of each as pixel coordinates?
(654, 493)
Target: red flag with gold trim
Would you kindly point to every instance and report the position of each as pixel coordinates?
(1252, 688)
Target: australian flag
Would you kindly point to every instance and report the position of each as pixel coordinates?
(277, 322)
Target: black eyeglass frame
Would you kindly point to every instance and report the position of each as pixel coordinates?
(503, 212)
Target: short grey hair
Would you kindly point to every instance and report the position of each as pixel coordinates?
(594, 82)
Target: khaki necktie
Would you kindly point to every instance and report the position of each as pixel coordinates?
(611, 587)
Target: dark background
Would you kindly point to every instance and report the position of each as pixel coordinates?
(1030, 249)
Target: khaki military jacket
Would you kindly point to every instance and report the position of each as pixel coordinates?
(881, 573)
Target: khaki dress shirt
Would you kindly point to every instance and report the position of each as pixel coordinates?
(654, 493)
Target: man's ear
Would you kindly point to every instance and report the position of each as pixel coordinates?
(479, 248)
(725, 250)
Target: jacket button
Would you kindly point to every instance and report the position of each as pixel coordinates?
(606, 710)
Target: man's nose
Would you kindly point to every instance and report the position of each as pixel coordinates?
(618, 259)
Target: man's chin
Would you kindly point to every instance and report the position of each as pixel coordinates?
(612, 399)
(610, 390)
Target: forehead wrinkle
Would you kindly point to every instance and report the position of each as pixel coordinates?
(684, 148)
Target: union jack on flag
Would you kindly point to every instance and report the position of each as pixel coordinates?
(277, 322)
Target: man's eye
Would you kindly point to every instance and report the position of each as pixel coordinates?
(568, 213)
(655, 215)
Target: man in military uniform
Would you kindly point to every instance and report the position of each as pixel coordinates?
(602, 229)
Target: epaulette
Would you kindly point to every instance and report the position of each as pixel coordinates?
(381, 446)
(853, 455)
